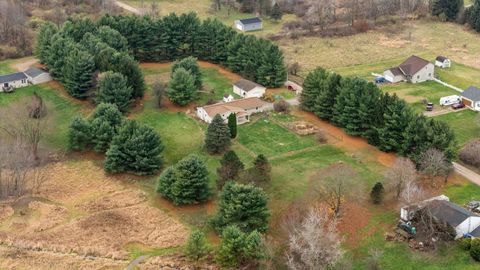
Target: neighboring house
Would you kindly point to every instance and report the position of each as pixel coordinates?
(293, 86)
(246, 89)
(243, 108)
(414, 70)
(443, 62)
(37, 76)
(471, 98)
(11, 81)
(251, 24)
(228, 98)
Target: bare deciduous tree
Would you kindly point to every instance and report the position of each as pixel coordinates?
(402, 172)
(314, 243)
(434, 163)
(412, 192)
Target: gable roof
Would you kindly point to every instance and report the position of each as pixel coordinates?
(441, 58)
(34, 72)
(250, 20)
(472, 93)
(12, 77)
(239, 105)
(449, 213)
(396, 71)
(413, 65)
(246, 85)
(476, 232)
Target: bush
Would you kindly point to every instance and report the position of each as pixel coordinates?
(465, 243)
(239, 248)
(158, 92)
(321, 136)
(475, 249)
(197, 245)
(470, 154)
(281, 106)
(377, 193)
(79, 135)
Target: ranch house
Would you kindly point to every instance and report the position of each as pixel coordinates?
(243, 108)
(246, 89)
(251, 24)
(413, 70)
(11, 81)
(471, 98)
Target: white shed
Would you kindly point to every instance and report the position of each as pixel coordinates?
(228, 98)
(246, 89)
(37, 76)
(251, 24)
(443, 62)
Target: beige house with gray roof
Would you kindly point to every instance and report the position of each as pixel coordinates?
(413, 70)
(243, 108)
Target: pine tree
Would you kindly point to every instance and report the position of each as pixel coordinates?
(244, 206)
(238, 248)
(377, 193)
(325, 101)
(232, 125)
(56, 57)
(230, 168)
(448, 8)
(262, 167)
(165, 182)
(126, 65)
(44, 41)
(79, 69)
(196, 245)
(272, 71)
(191, 181)
(105, 122)
(311, 88)
(217, 138)
(190, 64)
(276, 13)
(181, 88)
(79, 134)
(473, 15)
(136, 149)
(113, 89)
(112, 38)
(396, 120)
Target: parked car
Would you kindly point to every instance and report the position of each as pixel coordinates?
(458, 106)
(380, 80)
(429, 107)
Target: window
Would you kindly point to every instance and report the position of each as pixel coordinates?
(429, 74)
(418, 76)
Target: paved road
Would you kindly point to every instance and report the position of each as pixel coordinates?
(467, 173)
(128, 8)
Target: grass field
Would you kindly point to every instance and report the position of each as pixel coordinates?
(460, 75)
(464, 124)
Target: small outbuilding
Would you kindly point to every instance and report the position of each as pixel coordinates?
(247, 89)
(37, 75)
(250, 24)
(228, 98)
(443, 62)
(11, 81)
(471, 98)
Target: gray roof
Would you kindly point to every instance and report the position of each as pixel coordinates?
(12, 77)
(34, 72)
(250, 20)
(246, 85)
(476, 232)
(441, 58)
(449, 212)
(472, 93)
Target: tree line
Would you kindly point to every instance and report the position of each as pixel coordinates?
(385, 120)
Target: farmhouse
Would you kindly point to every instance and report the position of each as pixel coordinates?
(413, 70)
(471, 98)
(37, 76)
(246, 89)
(251, 24)
(443, 62)
(243, 108)
(11, 81)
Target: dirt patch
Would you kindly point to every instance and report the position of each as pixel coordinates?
(25, 64)
(6, 211)
(302, 128)
(354, 222)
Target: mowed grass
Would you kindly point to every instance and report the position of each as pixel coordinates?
(5, 67)
(459, 75)
(464, 125)
(215, 85)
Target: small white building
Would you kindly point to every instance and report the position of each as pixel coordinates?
(443, 62)
(471, 98)
(11, 81)
(250, 24)
(243, 108)
(228, 98)
(246, 89)
(37, 76)
(450, 100)
(413, 70)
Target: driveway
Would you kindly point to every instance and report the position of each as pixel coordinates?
(128, 8)
(442, 112)
(467, 173)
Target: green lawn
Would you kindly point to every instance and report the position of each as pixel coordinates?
(5, 67)
(460, 75)
(215, 85)
(464, 124)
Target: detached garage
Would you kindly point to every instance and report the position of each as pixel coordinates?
(471, 98)
(37, 76)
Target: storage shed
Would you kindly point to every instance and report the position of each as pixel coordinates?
(443, 62)
(246, 89)
(250, 24)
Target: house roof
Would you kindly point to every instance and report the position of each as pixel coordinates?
(413, 65)
(246, 85)
(34, 72)
(250, 20)
(396, 71)
(476, 232)
(239, 105)
(441, 58)
(472, 93)
(227, 95)
(449, 212)
(12, 77)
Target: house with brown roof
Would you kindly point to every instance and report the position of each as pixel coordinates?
(243, 108)
(413, 70)
(246, 89)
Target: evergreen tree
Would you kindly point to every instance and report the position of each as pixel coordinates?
(238, 248)
(325, 101)
(126, 65)
(79, 134)
(196, 245)
(217, 138)
(190, 64)
(191, 181)
(449, 8)
(79, 69)
(396, 120)
(272, 71)
(76, 28)
(104, 122)
(230, 168)
(242, 205)
(262, 167)
(112, 38)
(44, 41)
(232, 125)
(377, 193)
(181, 88)
(311, 88)
(136, 149)
(165, 182)
(276, 13)
(60, 48)
(473, 15)
(113, 89)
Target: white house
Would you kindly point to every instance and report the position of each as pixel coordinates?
(11, 81)
(243, 108)
(228, 98)
(37, 76)
(471, 98)
(246, 89)
(250, 24)
(443, 62)
(413, 70)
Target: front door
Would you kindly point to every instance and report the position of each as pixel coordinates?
(5, 85)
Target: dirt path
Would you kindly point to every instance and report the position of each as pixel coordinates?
(24, 65)
(442, 112)
(467, 173)
(128, 8)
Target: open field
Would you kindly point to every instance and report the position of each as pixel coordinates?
(464, 124)
(460, 75)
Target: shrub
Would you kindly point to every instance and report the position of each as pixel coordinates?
(239, 248)
(321, 136)
(470, 154)
(281, 106)
(475, 249)
(158, 92)
(197, 245)
(79, 135)
(465, 243)
(377, 193)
